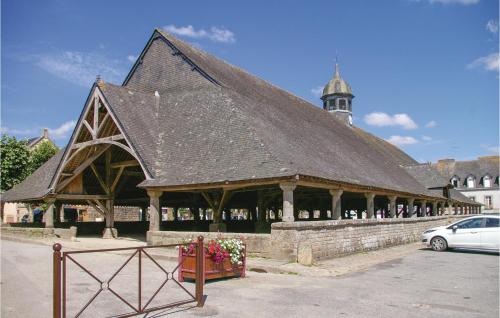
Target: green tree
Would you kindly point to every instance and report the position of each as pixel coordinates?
(41, 154)
(14, 160)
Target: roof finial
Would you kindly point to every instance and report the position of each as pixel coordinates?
(337, 74)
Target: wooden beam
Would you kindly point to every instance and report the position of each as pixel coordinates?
(92, 204)
(97, 141)
(101, 125)
(81, 167)
(67, 196)
(127, 163)
(117, 178)
(102, 206)
(96, 113)
(210, 201)
(104, 186)
(87, 125)
(133, 173)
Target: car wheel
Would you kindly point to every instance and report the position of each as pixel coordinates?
(439, 244)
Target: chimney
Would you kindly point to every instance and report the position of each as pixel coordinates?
(46, 133)
(157, 103)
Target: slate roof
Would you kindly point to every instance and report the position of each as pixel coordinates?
(478, 168)
(427, 175)
(233, 126)
(36, 185)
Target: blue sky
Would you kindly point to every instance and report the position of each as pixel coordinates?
(424, 72)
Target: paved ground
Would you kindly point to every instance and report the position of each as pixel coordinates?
(413, 283)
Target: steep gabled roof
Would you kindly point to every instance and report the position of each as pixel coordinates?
(215, 122)
(36, 185)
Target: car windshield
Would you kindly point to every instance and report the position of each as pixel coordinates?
(470, 224)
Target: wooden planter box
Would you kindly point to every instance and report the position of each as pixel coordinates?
(187, 268)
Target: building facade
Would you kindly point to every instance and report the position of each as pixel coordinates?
(476, 179)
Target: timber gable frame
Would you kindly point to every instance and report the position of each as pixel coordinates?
(94, 129)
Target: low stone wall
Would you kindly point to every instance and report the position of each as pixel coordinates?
(306, 242)
(39, 232)
(257, 244)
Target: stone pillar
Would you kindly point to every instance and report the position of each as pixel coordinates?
(411, 207)
(392, 206)
(461, 209)
(370, 206)
(455, 207)
(479, 209)
(49, 214)
(434, 211)
(110, 231)
(288, 201)
(336, 203)
(154, 209)
(423, 208)
(261, 209)
(61, 214)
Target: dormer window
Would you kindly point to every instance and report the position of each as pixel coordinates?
(471, 182)
(454, 182)
(487, 181)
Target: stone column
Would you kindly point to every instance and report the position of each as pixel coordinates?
(370, 213)
(461, 209)
(455, 207)
(411, 207)
(434, 208)
(392, 206)
(61, 214)
(154, 209)
(49, 214)
(423, 208)
(336, 203)
(288, 201)
(110, 231)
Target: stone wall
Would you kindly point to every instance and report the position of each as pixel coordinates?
(257, 244)
(39, 232)
(307, 242)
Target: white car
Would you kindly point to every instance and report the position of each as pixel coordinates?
(477, 232)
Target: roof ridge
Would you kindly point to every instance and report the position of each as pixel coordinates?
(271, 85)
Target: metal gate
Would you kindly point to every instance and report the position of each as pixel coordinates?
(60, 260)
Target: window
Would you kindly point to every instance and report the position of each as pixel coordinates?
(470, 224)
(492, 222)
(454, 182)
(342, 104)
(473, 198)
(488, 202)
(470, 182)
(487, 182)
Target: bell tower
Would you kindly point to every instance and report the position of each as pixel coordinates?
(337, 97)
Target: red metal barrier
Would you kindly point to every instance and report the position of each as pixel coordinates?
(59, 285)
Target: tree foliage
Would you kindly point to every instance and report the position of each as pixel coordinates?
(41, 154)
(15, 161)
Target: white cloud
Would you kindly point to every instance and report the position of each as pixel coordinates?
(431, 124)
(215, 34)
(57, 133)
(131, 58)
(426, 138)
(494, 150)
(402, 140)
(81, 68)
(18, 132)
(380, 119)
(492, 26)
(62, 131)
(489, 62)
(317, 91)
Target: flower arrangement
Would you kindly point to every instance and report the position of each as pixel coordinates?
(220, 249)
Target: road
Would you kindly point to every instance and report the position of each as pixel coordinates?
(421, 284)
